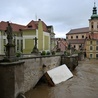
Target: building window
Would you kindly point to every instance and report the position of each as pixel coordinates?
(91, 55)
(71, 37)
(92, 25)
(66, 37)
(96, 55)
(96, 47)
(74, 46)
(97, 42)
(97, 25)
(21, 45)
(91, 48)
(91, 42)
(4, 41)
(17, 44)
(82, 36)
(76, 36)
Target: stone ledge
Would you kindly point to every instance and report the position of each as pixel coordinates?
(11, 63)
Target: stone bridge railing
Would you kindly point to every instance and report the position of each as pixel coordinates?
(70, 61)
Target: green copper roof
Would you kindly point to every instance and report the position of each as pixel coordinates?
(94, 16)
(94, 12)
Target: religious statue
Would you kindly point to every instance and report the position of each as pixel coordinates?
(35, 41)
(9, 33)
(35, 49)
(10, 47)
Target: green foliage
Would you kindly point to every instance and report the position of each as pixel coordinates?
(66, 53)
(48, 53)
(18, 54)
(43, 53)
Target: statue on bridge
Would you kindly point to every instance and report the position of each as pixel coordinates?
(35, 49)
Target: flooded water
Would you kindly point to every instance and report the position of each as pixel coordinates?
(84, 84)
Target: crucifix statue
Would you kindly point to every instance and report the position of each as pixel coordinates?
(35, 49)
(35, 39)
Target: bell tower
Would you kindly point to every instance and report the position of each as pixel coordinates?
(93, 21)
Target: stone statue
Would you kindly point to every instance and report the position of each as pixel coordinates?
(9, 33)
(35, 50)
(35, 41)
(10, 47)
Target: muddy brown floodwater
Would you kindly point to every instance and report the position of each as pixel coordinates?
(84, 84)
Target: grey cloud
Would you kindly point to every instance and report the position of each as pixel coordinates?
(62, 14)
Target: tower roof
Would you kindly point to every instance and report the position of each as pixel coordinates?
(94, 12)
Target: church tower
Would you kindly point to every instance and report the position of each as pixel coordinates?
(93, 21)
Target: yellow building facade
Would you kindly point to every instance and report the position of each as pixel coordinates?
(92, 48)
(23, 36)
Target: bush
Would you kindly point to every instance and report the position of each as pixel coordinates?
(43, 53)
(48, 53)
(53, 52)
(18, 54)
(65, 52)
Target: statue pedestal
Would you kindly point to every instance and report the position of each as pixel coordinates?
(35, 51)
(11, 79)
(10, 53)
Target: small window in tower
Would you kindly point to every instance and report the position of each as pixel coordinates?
(92, 25)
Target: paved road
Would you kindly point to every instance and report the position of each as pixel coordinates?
(84, 84)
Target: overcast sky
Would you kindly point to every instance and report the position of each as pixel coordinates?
(62, 14)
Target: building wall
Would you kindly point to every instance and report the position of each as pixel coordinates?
(74, 36)
(43, 38)
(40, 36)
(0, 42)
(28, 40)
(95, 25)
(91, 53)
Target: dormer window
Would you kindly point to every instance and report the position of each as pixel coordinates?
(30, 26)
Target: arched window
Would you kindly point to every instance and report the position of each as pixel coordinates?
(92, 25)
(91, 48)
(96, 47)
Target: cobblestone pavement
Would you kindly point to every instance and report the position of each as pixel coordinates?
(84, 84)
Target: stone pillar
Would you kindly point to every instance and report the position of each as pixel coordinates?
(11, 79)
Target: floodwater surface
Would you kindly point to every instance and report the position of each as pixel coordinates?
(84, 84)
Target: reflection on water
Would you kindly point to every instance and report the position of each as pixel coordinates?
(84, 84)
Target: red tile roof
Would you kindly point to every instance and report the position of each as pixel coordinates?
(79, 30)
(34, 25)
(16, 27)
